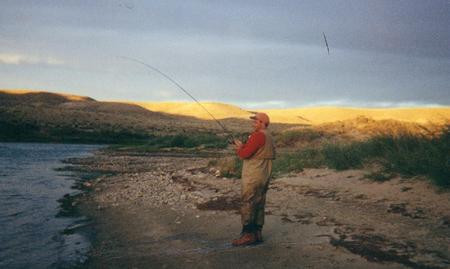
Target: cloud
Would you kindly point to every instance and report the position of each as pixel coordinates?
(17, 59)
(163, 94)
(264, 104)
(372, 104)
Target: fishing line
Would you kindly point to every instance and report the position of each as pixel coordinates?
(179, 87)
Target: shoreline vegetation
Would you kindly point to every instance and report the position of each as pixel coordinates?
(384, 156)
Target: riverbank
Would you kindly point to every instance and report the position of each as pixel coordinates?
(164, 210)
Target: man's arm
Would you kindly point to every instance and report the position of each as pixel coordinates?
(255, 141)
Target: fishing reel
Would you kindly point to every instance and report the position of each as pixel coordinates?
(242, 137)
(230, 139)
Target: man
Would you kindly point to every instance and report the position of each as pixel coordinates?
(257, 154)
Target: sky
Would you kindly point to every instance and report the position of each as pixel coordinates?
(254, 54)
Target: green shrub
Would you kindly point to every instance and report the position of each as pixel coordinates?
(193, 140)
(293, 136)
(407, 155)
(296, 162)
(379, 176)
(228, 166)
(341, 157)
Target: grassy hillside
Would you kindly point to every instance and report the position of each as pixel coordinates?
(43, 116)
(309, 116)
(52, 117)
(218, 110)
(321, 115)
(29, 96)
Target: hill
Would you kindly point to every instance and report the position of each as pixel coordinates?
(308, 116)
(218, 110)
(319, 115)
(52, 117)
(44, 116)
(17, 96)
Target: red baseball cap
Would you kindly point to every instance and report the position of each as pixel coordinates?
(262, 117)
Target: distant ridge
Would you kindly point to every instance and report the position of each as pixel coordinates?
(309, 116)
(218, 110)
(319, 115)
(302, 116)
(39, 96)
(39, 116)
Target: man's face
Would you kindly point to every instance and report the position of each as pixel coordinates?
(258, 125)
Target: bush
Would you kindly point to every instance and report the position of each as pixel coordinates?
(33, 132)
(205, 140)
(293, 136)
(379, 176)
(341, 157)
(228, 166)
(296, 162)
(405, 154)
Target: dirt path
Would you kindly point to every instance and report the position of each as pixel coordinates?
(173, 212)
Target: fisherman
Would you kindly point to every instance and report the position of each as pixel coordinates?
(258, 154)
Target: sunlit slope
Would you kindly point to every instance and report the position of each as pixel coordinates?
(218, 110)
(313, 116)
(25, 93)
(310, 116)
(331, 114)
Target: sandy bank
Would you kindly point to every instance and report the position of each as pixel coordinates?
(173, 212)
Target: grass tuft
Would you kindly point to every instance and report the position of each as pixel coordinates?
(230, 167)
(195, 140)
(296, 162)
(407, 155)
(379, 176)
(289, 138)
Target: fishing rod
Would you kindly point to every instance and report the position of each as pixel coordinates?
(230, 137)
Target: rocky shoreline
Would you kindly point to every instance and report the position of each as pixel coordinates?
(169, 210)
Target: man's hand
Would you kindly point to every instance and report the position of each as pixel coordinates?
(237, 144)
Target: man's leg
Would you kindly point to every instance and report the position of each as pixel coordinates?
(259, 223)
(260, 214)
(250, 196)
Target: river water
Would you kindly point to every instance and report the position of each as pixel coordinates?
(31, 236)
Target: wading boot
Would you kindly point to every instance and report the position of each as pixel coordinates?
(258, 236)
(245, 240)
(258, 233)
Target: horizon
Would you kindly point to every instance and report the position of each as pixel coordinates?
(406, 106)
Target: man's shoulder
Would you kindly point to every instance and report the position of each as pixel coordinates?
(259, 133)
(259, 137)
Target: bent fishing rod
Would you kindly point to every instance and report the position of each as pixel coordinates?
(230, 137)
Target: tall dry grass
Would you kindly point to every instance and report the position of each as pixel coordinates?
(407, 155)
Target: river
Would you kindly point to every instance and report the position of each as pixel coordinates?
(31, 235)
